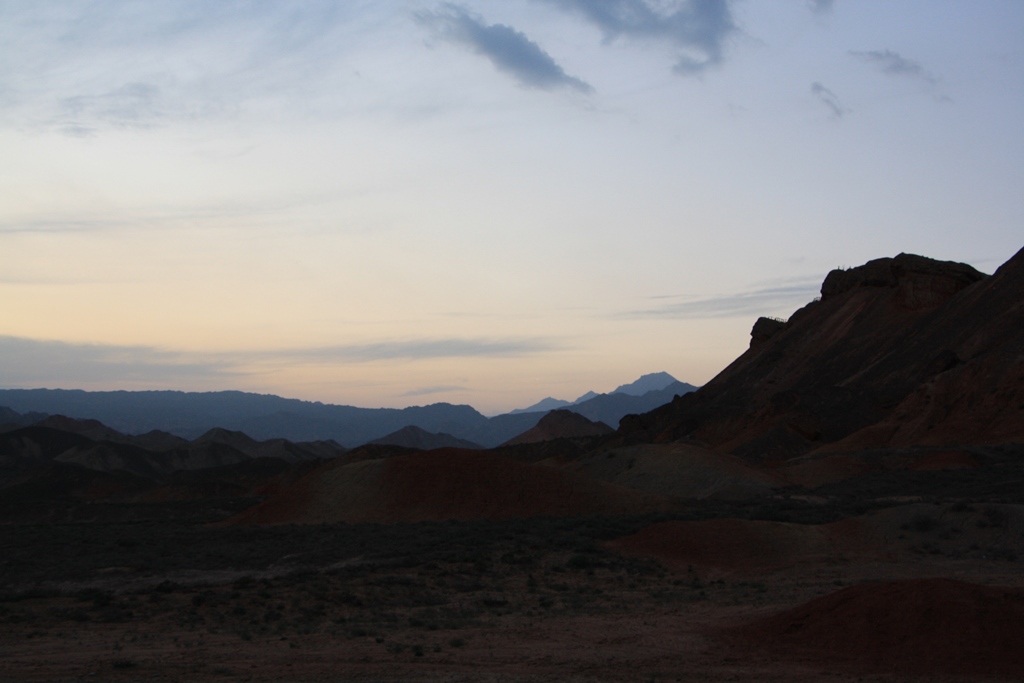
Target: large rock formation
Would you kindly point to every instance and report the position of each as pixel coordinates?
(905, 351)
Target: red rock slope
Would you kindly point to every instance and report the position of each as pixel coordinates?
(899, 352)
(919, 627)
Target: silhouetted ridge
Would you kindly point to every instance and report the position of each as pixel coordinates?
(191, 414)
(420, 439)
(903, 351)
(914, 273)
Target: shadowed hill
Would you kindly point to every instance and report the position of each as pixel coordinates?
(561, 424)
(924, 627)
(420, 439)
(94, 446)
(679, 470)
(902, 351)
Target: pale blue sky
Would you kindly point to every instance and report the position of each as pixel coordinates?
(392, 203)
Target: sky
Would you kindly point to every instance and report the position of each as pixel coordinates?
(396, 203)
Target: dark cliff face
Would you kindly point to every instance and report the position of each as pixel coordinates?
(859, 367)
(920, 281)
(765, 329)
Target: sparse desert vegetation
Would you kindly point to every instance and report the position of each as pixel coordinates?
(172, 598)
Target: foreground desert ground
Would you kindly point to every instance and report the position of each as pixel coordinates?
(718, 591)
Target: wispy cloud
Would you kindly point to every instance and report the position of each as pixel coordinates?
(427, 391)
(132, 105)
(85, 67)
(895, 64)
(756, 302)
(696, 29)
(36, 362)
(829, 99)
(417, 349)
(250, 213)
(508, 50)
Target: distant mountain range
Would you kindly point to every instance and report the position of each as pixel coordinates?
(656, 381)
(262, 416)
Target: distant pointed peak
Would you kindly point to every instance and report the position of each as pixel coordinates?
(655, 381)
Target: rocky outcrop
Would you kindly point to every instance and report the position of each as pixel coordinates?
(765, 329)
(899, 352)
(920, 281)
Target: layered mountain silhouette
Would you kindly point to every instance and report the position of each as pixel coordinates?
(658, 384)
(190, 414)
(91, 445)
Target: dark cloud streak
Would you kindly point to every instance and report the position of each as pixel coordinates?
(698, 27)
(829, 99)
(507, 49)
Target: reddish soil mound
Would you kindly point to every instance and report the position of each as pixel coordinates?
(727, 546)
(443, 484)
(945, 460)
(677, 470)
(923, 626)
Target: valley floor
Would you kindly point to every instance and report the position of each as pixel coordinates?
(520, 600)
